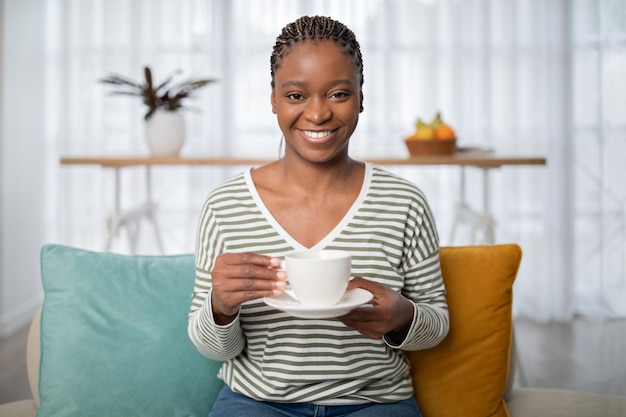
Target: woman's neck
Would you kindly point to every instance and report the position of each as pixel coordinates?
(331, 176)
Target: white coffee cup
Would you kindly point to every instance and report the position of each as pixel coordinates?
(318, 278)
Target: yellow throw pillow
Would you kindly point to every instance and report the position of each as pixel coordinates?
(466, 374)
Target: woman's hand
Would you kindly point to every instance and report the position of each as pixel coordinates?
(391, 312)
(240, 277)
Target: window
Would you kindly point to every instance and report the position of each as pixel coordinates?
(519, 76)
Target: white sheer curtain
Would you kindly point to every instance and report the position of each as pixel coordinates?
(519, 76)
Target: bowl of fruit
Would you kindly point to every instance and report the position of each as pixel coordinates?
(434, 138)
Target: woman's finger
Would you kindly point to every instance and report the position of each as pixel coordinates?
(248, 258)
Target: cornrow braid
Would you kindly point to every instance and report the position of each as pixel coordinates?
(316, 28)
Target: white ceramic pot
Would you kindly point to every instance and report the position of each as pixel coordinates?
(165, 133)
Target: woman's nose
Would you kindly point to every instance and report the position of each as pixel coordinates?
(318, 111)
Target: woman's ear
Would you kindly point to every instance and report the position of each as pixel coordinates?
(361, 104)
(273, 100)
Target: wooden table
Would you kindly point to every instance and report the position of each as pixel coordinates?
(481, 220)
(473, 159)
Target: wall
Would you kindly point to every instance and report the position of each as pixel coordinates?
(22, 162)
(1, 140)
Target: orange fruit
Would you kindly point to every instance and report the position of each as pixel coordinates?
(444, 132)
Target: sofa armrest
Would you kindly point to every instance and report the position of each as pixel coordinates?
(544, 402)
(25, 408)
(33, 354)
(28, 408)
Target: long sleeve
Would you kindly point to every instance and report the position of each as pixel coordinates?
(423, 282)
(212, 340)
(431, 322)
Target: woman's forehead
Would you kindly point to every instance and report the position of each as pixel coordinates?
(311, 56)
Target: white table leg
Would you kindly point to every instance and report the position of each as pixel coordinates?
(461, 207)
(151, 208)
(114, 221)
(488, 221)
(131, 220)
(479, 222)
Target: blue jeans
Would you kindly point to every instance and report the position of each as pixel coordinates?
(232, 404)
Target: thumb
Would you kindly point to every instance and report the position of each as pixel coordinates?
(358, 282)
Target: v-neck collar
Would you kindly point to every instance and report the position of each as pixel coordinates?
(332, 234)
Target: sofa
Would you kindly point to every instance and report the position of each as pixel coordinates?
(110, 340)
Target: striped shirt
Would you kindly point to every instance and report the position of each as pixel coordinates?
(269, 355)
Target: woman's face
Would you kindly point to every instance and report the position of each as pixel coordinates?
(317, 100)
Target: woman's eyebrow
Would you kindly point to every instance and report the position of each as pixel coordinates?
(339, 82)
(294, 83)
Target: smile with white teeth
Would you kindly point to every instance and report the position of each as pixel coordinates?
(316, 135)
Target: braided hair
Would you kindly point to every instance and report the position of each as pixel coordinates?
(314, 28)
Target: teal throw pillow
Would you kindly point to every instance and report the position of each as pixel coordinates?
(114, 337)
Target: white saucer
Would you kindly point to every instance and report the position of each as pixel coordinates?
(351, 299)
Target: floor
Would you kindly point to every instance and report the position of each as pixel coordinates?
(582, 355)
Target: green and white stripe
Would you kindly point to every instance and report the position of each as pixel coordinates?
(269, 355)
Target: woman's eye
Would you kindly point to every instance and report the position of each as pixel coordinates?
(339, 94)
(295, 96)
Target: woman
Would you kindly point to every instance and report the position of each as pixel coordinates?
(316, 197)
